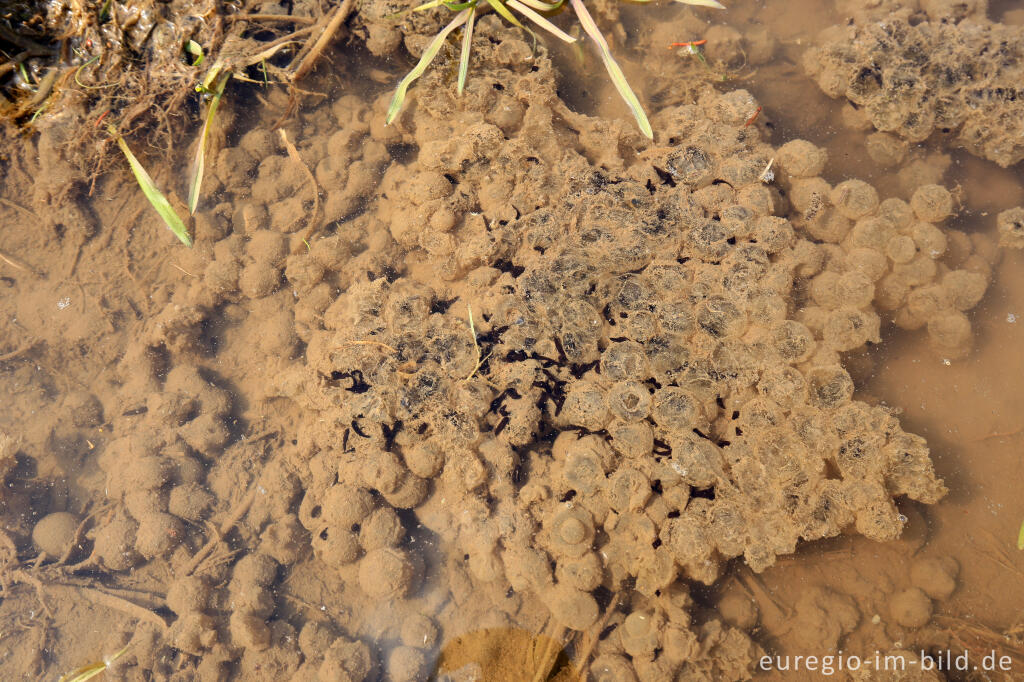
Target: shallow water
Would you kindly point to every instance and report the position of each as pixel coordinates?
(96, 324)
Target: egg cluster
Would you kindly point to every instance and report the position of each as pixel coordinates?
(638, 390)
(890, 256)
(943, 67)
(156, 472)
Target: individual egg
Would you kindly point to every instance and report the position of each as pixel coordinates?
(950, 334)
(406, 664)
(419, 631)
(801, 159)
(872, 232)
(346, 660)
(632, 439)
(829, 387)
(382, 528)
(255, 569)
(336, 546)
(720, 317)
(114, 544)
(936, 577)
(793, 341)
(583, 573)
(190, 502)
(383, 471)
(1010, 225)
(886, 150)
(896, 212)
(188, 593)
(55, 533)
(932, 203)
(629, 400)
(612, 668)
(249, 598)
(570, 532)
(343, 506)
(640, 633)
(809, 196)
(249, 631)
(585, 406)
(738, 609)
(901, 248)
(158, 534)
(930, 240)
(829, 225)
(676, 408)
(572, 608)
(855, 199)
(911, 608)
(628, 489)
(964, 289)
(424, 459)
(386, 573)
(411, 493)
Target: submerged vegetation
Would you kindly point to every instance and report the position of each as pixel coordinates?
(531, 9)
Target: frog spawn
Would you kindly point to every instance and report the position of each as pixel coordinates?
(639, 404)
(890, 257)
(965, 87)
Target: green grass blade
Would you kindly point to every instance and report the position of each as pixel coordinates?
(428, 56)
(467, 44)
(156, 198)
(1020, 537)
(703, 3)
(501, 9)
(540, 20)
(618, 78)
(199, 162)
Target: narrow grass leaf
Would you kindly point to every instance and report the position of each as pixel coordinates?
(703, 3)
(87, 672)
(541, 6)
(467, 44)
(540, 21)
(500, 8)
(618, 78)
(428, 56)
(155, 197)
(418, 8)
(199, 162)
(196, 50)
(1020, 537)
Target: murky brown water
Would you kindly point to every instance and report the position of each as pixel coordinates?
(260, 482)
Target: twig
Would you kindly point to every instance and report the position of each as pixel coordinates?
(552, 645)
(341, 13)
(16, 264)
(240, 510)
(367, 343)
(23, 42)
(305, 21)
(293, 154)
(108, 600)
(18, 207)
(593, 635)
(479, 360)
(15, 353)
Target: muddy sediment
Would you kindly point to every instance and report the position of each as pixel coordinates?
(498, 382)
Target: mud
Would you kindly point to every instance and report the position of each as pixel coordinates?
(501, 391)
